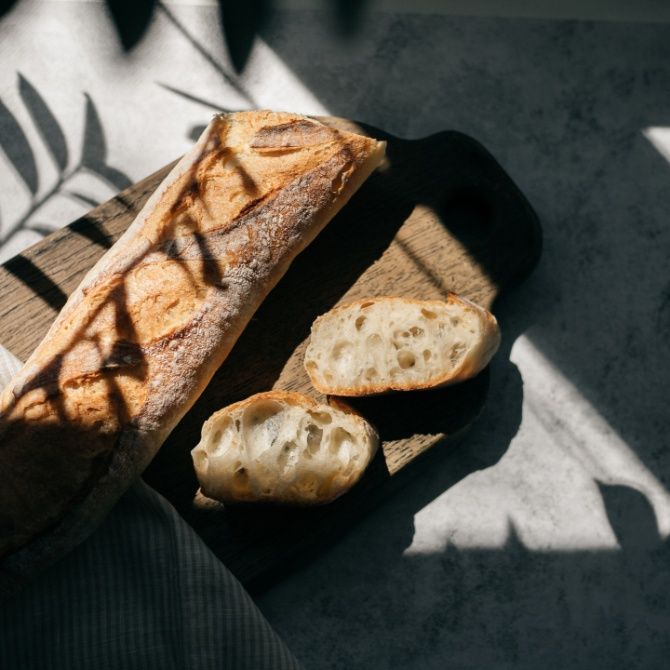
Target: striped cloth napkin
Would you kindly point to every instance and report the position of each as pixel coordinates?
(142, 592)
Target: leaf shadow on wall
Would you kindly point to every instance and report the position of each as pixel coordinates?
(6, 6)
(17, 151)
(131, 20)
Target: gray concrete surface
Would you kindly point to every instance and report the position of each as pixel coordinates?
(542, 540)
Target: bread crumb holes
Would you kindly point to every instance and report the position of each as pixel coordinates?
(406, 359)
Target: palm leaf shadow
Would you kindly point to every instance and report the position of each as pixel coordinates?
(94, 149)
(43, 229)
(195, 43)
(80, 197)
(24, 269)
(193, 98)
(6, 6)
(241, 21)
(86, 227)
(195, 132)
(17, 149)
(131, 20)
(48, 127)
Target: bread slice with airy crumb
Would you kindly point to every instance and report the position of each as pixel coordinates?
(385, 344)
(282, 447)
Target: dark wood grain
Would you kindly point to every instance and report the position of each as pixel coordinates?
(440, 216)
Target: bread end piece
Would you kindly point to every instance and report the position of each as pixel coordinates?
(376, 345)
(282, 447)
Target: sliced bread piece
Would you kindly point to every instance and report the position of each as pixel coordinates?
(397, 344)
(282, 447)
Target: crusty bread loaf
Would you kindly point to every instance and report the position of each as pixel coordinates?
(282, 447)
(397, 344)
(140, 338)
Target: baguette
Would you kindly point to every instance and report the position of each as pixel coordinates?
(377, 345)
(140, 338)
(282, 447)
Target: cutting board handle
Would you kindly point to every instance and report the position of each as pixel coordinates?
(483, 209)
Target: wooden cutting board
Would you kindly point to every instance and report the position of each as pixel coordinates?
(441, 216)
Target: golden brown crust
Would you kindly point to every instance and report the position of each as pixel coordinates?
(289, 397)
(469, 367)
(140, 338)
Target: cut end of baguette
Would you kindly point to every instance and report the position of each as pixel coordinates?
(282, 447)
(385, 344)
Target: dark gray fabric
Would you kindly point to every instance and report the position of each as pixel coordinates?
(142, 592)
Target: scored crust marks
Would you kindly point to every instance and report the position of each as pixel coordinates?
(153, 292)
(157, 296)
(156, 291)
(293, 135)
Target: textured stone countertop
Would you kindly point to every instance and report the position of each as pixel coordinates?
(541, 540)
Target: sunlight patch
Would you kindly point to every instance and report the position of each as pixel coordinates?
(585, 434)
(659, 137)
(271, 83)
(543, 494)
